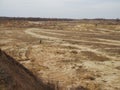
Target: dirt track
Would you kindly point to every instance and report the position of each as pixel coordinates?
(109, 74)
(66, 41)
(61, 35)
(88, 58)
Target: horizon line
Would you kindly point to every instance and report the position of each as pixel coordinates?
(54, 17)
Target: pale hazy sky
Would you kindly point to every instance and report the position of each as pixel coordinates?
(61, 8)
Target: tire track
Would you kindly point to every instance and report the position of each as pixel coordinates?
(83, 48)
(33, 32)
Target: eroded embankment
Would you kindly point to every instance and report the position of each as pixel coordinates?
(14, 76)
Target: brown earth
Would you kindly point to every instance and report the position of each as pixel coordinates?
(14, 76)
(70, 55)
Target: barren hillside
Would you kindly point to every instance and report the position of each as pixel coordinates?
(72, 55)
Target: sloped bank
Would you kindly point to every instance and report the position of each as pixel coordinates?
(14, 76)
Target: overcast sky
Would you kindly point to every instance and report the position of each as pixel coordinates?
(61, 8)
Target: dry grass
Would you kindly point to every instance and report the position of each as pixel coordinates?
(93, 56)
(76, 54)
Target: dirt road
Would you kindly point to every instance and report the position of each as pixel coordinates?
(90, 45)
(88, 58)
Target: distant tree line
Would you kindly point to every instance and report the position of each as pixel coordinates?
(35, 19)
(91, 21)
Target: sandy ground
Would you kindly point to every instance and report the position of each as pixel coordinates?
(70, 58)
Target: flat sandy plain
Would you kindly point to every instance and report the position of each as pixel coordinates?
(73, 55)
